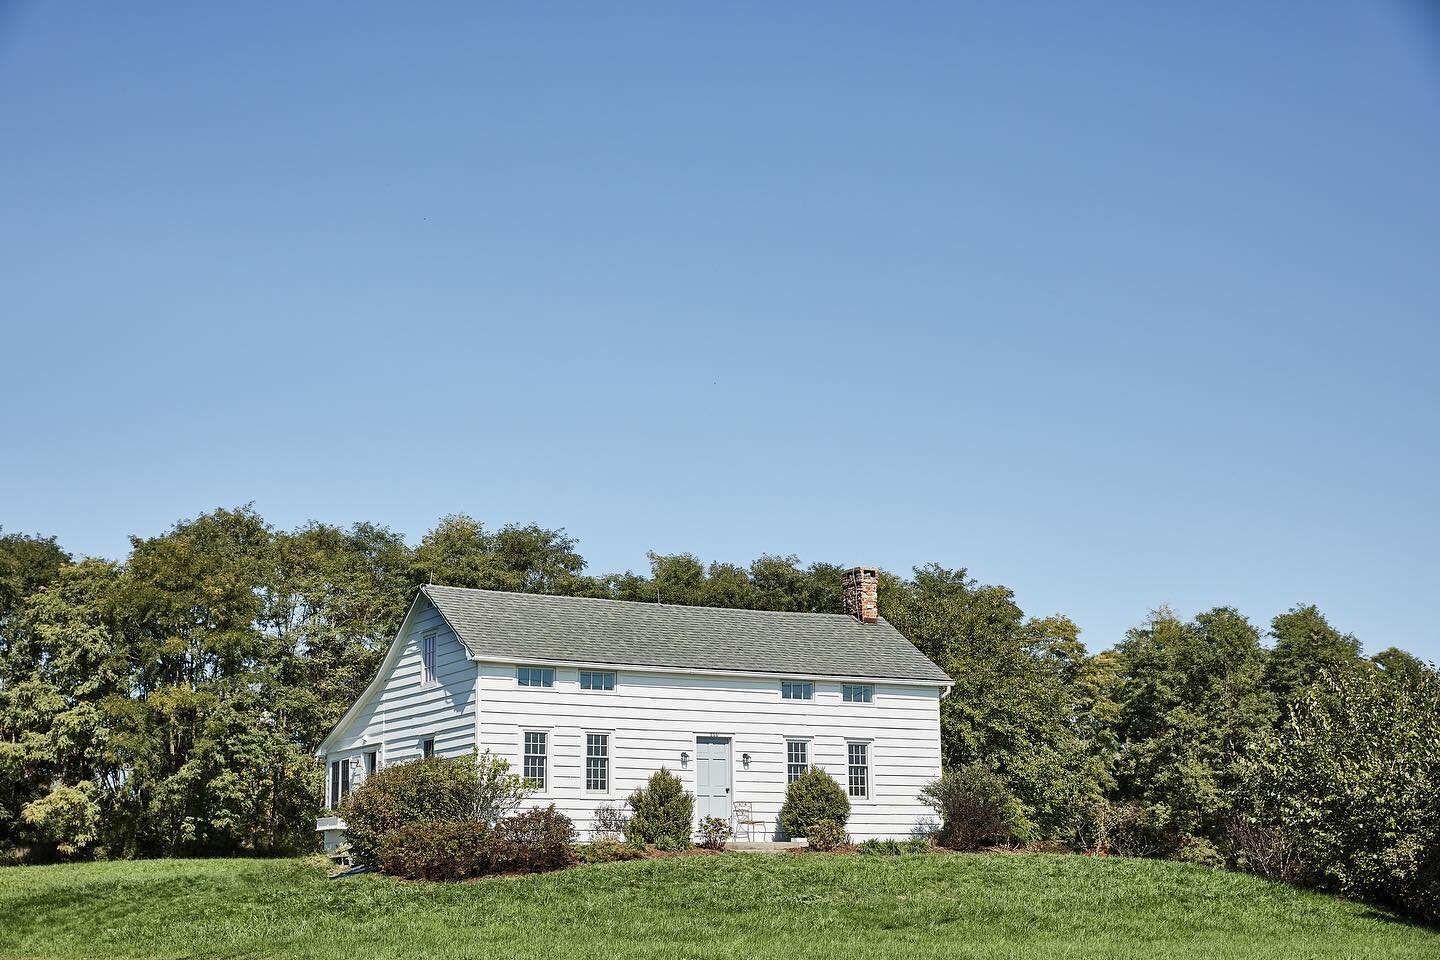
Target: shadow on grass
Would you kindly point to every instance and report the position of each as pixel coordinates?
(1384, 915)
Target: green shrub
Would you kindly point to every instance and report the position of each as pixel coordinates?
(538, 839)
(66, 820)
(825, 835)
(435, 850)
(976, 807)
(881, 848)
(896, 848)
(920, 844)
(715, 833)
(1199, 850)
(811, 797)
(528, 842)
(660, 813)
(466, 789)
(607, 851)
(1352, 782)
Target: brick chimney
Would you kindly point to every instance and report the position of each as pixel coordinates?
(860, 594)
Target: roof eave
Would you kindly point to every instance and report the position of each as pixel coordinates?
(714, 672)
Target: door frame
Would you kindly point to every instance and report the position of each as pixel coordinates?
(729, 738)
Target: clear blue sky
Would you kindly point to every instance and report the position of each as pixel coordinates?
(1119, 304)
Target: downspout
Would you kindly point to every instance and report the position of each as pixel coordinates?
(477, 707)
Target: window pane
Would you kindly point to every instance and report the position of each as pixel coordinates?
(859, 770)
(535, 676)
(597, 761)
(597, 680)
(797, 759)
(533, 768)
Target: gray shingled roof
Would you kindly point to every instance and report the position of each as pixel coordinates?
(523, 626)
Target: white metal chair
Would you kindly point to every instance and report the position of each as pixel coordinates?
(743, 818)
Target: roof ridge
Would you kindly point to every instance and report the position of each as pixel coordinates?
(648, 604)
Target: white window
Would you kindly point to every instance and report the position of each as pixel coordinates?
(597, 762)
(797, 690)
(797, 759)
(857, 692)
(535, 676)
(597, 680)
(536, 754)
(427, 747)
(339, 781)
(858, 770)
(372, 762)
(427, 657)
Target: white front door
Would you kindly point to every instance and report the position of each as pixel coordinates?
(712, 777)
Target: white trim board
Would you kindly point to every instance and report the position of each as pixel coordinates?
(706, 672)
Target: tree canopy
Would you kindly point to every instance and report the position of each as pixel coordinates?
(171, 703)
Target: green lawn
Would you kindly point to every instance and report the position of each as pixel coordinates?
(737, 905)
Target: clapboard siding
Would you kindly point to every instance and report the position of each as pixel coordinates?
(653, 717)
(405, 710)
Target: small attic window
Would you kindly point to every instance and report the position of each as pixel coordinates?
(535, 676)
(427, 658)
(797, 690)
(597, 679)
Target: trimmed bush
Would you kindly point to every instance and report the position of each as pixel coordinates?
(660, 813)
(977, 808)
(715, 833)
(468, 789)
(811, 797)
(825, 835)
(538, 839)
(435, 850)
(528, 842)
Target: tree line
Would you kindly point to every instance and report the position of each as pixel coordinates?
(170, 704)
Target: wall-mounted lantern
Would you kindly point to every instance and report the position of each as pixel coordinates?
(745, 760)
(684, 758)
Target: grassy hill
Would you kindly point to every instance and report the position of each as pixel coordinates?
(737, 905)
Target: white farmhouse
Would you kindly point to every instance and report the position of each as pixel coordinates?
(588, 698)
